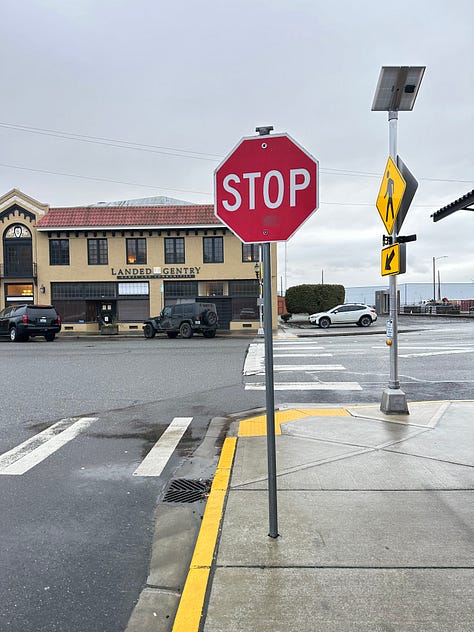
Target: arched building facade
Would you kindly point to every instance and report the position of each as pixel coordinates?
(128, 261)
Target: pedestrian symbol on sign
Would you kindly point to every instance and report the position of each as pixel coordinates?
(390, 194)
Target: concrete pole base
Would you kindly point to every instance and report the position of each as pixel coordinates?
(394, 402)
(260, 332)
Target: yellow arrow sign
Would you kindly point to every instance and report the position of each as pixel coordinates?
(390, 195)
(394, 259)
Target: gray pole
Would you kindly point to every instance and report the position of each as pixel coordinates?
(260, 297)
(394, 383)
(393, 399)
(269, 385)
(269, 392)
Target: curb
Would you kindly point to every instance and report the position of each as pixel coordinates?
(188, 615)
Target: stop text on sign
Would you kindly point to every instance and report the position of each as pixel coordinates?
(272, 188)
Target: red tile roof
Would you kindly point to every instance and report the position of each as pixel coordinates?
(134, 216)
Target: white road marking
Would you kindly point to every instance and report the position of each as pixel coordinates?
(155, 461)
(31, 452)
(307, 386)
(309, 367)
(300, 345)
(435, 353)
(303, 355)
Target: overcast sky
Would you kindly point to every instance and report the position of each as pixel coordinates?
(126, 99)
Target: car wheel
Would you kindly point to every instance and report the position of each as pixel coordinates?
(13, 334)
(185, 330)
(209, 318)
(149, 331)
(50, 337)
(172, 334)
(365, 321)
(209, 333)
(324, 322)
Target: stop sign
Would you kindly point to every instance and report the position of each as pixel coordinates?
(266, 188)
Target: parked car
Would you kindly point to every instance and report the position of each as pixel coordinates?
(349, 313)
(21, 322)
(184, 319)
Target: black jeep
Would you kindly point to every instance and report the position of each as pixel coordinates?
(184, 319)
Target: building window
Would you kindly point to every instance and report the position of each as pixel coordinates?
(214, 288)
(250, 252)
(17, 231)
(97, 252)
(174, 250)
(18, 252)
(213, 250)
(59, 252)
(244, 287)
(181, 289)
(136, 250)
(133, 289)
(86, 291)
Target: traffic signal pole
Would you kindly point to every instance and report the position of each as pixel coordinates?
(393, 398)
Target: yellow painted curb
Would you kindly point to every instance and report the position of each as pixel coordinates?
(188, 616)
(257, 426)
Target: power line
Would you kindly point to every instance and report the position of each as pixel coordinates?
(181, 153)
(155, 187)
(74, 175)
(112, 142)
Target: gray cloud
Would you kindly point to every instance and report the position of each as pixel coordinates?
(199, 76)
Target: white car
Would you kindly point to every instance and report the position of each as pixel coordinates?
(347, 314)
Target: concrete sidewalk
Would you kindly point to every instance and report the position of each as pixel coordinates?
(376, 525)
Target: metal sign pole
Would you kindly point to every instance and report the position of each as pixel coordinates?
(269, 391)
(393, 383)
(393, 398)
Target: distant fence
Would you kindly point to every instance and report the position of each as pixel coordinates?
(431, 309)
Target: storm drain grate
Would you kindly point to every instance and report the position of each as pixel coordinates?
(185, 490)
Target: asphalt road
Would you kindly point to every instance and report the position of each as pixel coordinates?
(435, 361)
(77, 528)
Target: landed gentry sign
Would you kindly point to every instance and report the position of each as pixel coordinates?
(156, 273)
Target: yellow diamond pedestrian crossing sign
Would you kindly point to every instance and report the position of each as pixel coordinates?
(390, 195)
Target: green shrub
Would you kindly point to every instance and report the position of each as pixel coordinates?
(308, 299)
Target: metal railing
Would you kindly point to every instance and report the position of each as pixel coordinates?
(8, 271)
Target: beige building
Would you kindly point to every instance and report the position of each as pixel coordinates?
(125, 263)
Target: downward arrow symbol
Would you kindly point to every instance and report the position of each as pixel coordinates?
(388, 260)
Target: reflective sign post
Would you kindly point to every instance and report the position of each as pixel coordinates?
(396, 91)
(393, 398)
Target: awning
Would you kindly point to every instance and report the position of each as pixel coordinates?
(465, 203)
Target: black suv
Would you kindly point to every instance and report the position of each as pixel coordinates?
(184, 319)
(21, 322)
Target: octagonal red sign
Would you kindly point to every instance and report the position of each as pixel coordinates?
(266, 188)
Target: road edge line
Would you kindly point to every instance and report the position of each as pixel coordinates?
(191, 604)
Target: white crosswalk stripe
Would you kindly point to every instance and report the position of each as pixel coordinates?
(308, 367)
(25, 456)
(33, 451)
(306, 386)
(156, 460)
(301, 350)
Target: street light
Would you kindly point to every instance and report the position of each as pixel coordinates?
(435, 259)
(397, 89)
